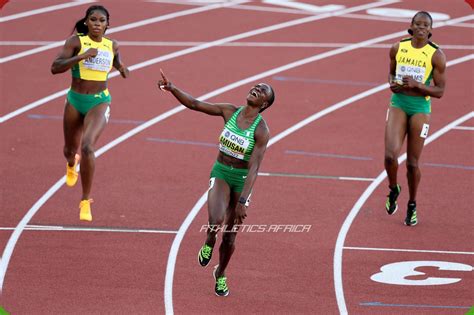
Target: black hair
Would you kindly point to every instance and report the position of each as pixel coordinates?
(270, 100)
(421, 13)
(80, 26)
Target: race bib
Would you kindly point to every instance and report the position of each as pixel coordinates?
(233, 144)
(417, 73)
(101, 62)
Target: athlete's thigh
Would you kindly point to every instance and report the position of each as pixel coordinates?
(395, 129)
(72, 125)
(418, 128)
(94, 122)
(230, 213)
(218, 199)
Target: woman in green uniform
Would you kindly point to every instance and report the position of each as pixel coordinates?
(90, 56)
(242, 145)
(415, 62)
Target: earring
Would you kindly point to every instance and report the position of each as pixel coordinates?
(85, 23)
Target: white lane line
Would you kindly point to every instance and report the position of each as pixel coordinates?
(8, 251)
(170, 267)
(44, 10)
(124, 27)
(312, 176)
(88, 229)
(242, 7)
(338, 251)
(234, 44)
(205, 46)
(305, 6)
(409, 250)
(464, 128)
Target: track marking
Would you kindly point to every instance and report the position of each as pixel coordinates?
(8, 251)
(324, 81)
(212, 44)
(125, 27)
(409, 250)
(57, 117)
(88, 229)
(340, 156)
(364, 179)
(341, 303)
(404, 13)
(170, 267)
(464, 128)
(175, 141)
(44, 10)
(233, 44)
(463, 167)
(305, 6)
(413, 305)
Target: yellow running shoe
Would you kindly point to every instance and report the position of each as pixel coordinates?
(85, 213)
(71, 174)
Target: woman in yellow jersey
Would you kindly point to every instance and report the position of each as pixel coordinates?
(242, 145)
(90, 56)
(414, 63)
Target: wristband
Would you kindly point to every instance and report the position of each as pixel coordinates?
(243, 200)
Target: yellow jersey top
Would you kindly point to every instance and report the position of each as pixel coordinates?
(415, 62)
(94, 68)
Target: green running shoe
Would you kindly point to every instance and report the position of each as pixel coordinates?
(391, 204)
(205, 255)
(221, 288)
(411, 218)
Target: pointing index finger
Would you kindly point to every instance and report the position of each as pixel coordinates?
(163, 75)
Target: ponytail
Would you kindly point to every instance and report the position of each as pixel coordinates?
(81, 27)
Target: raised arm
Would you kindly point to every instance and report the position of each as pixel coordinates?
(439, 78)
(118, 64)
(68, 56)
(214, 109)
(262, 136)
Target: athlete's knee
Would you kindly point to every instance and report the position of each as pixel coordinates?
(87, 149)
(390, 158)
(412, 165)
(216, 220)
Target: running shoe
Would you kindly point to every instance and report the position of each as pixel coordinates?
(85, 213)
(391, 204)
(71, 174)
(411, 218)
(221, 288)
(205, 255)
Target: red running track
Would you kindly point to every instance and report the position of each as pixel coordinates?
(152, 180)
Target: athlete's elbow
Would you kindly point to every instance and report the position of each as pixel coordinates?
(55, 69)
(439, 94)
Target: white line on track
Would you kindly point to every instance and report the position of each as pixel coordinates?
(409, 250)
(312, 176)
(88, 229)
(338, 285)
(126, 27)
(234, 44)
(44, 10)
(195, 210)
(305, 12)
(464, 128)
(10, 246)
(205, 46)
